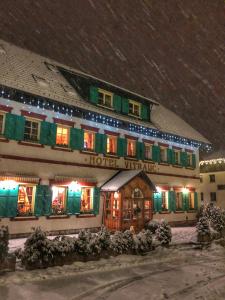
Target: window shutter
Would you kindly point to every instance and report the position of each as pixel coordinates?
(76, 138)
(3, 202)
(145, 112)
(183, 159)
(39, 201)
(173, 158)
(171, 200)
(169, 155)
(44, 132)
(157, 202)
(193, 160)
(196, 200)
(117, 102)
(47, 196)
(52, 134)
(19, 129)
(99, 142)
(96, 199)
(94, 95)
(140, 151)
(11, 204)
(125, 106)
(104, 143)
(185, 205)
(155, 153)
(73, 202)
(10, 126)
(121, 147)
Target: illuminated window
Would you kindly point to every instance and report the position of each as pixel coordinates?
(189, 159)
(86, 199)
(163, 154)
(148, 151)
(31, 130)
(191, 200)
(179, 201)
(62, 136)
(131, 148)
(137, 193)
(134, 108)
(1, 123)
(104, 98)
(89, 140)
(59, 200)
(165, 202)
(25, 204)
(177, 157)
(111, 144)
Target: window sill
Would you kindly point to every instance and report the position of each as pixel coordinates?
(190, 168)
(134, 116)
(66, 149)
(130, 158)
(86, 215)
(105, 106)
(111, 155)
(179, 211)
(192, 211)
(89, 152)
(24, 143)
(164, 163)
(54, 217)
(150, 161)
(25, 218)
(178, 166)
(165, 212)
(3, 139)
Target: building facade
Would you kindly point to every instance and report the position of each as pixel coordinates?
(212, 178)
(65, 134)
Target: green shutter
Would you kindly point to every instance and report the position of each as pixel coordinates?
(183, 159)
(96, 200)
(140, 151)
(121, 147)
(48, 133)
(157, 202)
(40, 200)
(14, 127)
(156, 153)
(12, 200)
(73, 202)
(99, 143)
(185, 202)
(125, 106)
(47, 194)
(104, 143)
(94, 95)
(172, 201)
(193, 161)
(117, 103)
(169, 155)
(3, 202)
(76, 138)
(145, 112)
(196, 200)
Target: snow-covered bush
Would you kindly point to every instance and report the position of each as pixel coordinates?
(129, 243)
(143, 242)
(117, 243)
(82, 243)
(163, 233)
(62, 246)
(4, 242)
(95, 245)
(38, 250)
(203, 230)
(152, 226)
(104, 238)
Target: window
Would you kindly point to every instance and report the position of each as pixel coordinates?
(177, 157)
(89, 140)
(165, 204)
(111, 144)
(131, 148)
(104, 98)
(1, 123)
(179, 201)
(31, 130)
(212, 178)
(86, 199)
(213, 196)
(59, 200)
(62, 136)
(191, 200)
(137, 193)
(148, 151)
(134, 108)
(189, 159)
(202, 196)
(163, 154)
(25, 204)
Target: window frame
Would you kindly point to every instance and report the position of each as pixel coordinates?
(191, 197)
(150, 146)
(212, 178)
(89, 149)
(58, 125)
(91, 204)
(165, 200)
(135, 103)
(32, 202)
(213, 197)
(63, 212)
(3, 123)
(180, 199)
(113, 137)
(105, 93)
(177, 162)
(165, 151)
(135, 148)
(34, 120)
(189, 159)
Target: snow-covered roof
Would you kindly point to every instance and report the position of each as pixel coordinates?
(27, 71)
(122, 178)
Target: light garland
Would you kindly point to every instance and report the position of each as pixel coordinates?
(72, 111)
(212, 161)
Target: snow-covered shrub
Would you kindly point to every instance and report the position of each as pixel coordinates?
(63, 246)
(104, 238)
(4, 242)
(152, 226)
(203, 230)
(117, 243)
(82, 243)
(38, 250)
(95, 245)
(200, 212)
(128, 244)
(143, 241)
(163, 233)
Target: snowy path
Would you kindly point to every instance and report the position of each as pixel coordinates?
(180, 272)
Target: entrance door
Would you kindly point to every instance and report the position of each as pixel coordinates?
(138, 213)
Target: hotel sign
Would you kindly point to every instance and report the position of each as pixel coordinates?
(116, 163)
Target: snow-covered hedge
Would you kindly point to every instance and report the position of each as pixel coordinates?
(4, 243)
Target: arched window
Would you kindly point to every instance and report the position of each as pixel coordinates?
(137, 193)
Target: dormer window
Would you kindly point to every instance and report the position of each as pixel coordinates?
(134, 108)
(105, 98)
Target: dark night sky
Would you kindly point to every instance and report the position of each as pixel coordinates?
(173, 51)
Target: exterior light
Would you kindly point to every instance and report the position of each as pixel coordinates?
(8, 184)
(116, 195)
(158, 189)
(75, 186)
(185, 190)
